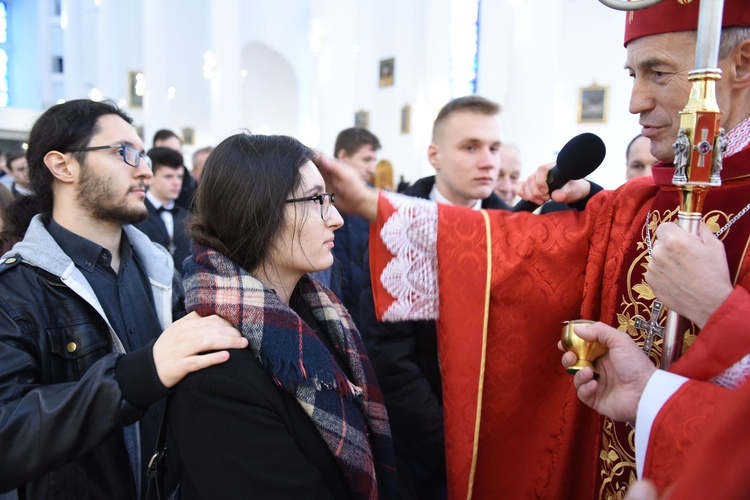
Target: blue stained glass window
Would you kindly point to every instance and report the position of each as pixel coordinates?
(4, 95)
(3, 22)
(464, 46)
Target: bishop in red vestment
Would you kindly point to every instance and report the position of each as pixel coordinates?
(501, 284)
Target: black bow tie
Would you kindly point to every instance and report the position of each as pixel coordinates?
(165, 209)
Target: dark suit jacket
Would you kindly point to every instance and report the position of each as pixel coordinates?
(156, 230)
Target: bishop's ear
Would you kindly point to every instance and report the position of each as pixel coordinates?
(741, 64)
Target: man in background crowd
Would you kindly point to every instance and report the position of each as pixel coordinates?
(510, 173)
(168, 139)
(357, 147)
(166, 221)
(18, 169)
(165, 138)
(638, 157)
(199, 161)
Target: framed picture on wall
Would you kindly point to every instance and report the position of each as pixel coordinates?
(592, 104)
(406, 119)
(188, 136)
(136, 87)
(362, 119)
(387, 67)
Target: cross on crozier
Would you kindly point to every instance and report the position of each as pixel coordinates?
(650, 328)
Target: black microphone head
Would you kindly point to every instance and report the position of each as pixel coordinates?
(581, 156)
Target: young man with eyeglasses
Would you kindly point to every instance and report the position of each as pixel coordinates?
(88, 350)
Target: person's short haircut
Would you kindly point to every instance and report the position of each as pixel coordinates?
(62, 127)
(241, 199)
(13, 156)
(201, 151)
(730, 38)
(630, 144)
(469, 103)
(351, 139)
(165, 157)
(163, 135)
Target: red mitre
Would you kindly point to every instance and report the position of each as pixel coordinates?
(680, 15)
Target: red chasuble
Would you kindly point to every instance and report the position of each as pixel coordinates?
(684, 420)
(513, 422)
(716, 465)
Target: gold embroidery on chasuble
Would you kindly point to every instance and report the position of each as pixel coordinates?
(617, 454)
(637, 302)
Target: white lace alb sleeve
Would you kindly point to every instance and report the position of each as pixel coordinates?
(411, 278)
(735, 375)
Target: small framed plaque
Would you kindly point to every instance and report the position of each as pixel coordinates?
(406, 119)
(387, 67)
(362, 119)
(592, 104)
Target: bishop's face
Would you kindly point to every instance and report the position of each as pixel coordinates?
(659, 65)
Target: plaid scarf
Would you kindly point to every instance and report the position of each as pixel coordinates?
(350, 416)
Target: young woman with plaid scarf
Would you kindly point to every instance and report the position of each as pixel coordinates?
(298, 414)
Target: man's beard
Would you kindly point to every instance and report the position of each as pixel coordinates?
(97, 196)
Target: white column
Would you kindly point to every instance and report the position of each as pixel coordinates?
(74, 35)
(109, 31)
(155, 103)
(226, 45)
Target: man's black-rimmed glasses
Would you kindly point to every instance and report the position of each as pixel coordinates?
(130, 155)
(325, 200)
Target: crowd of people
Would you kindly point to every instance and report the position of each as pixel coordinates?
(401, 348)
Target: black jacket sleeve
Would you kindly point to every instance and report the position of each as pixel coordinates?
(581, 204)
(43, 427)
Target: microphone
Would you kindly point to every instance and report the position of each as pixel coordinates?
(578, 158)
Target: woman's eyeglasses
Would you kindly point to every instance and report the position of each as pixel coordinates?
(325, 200)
